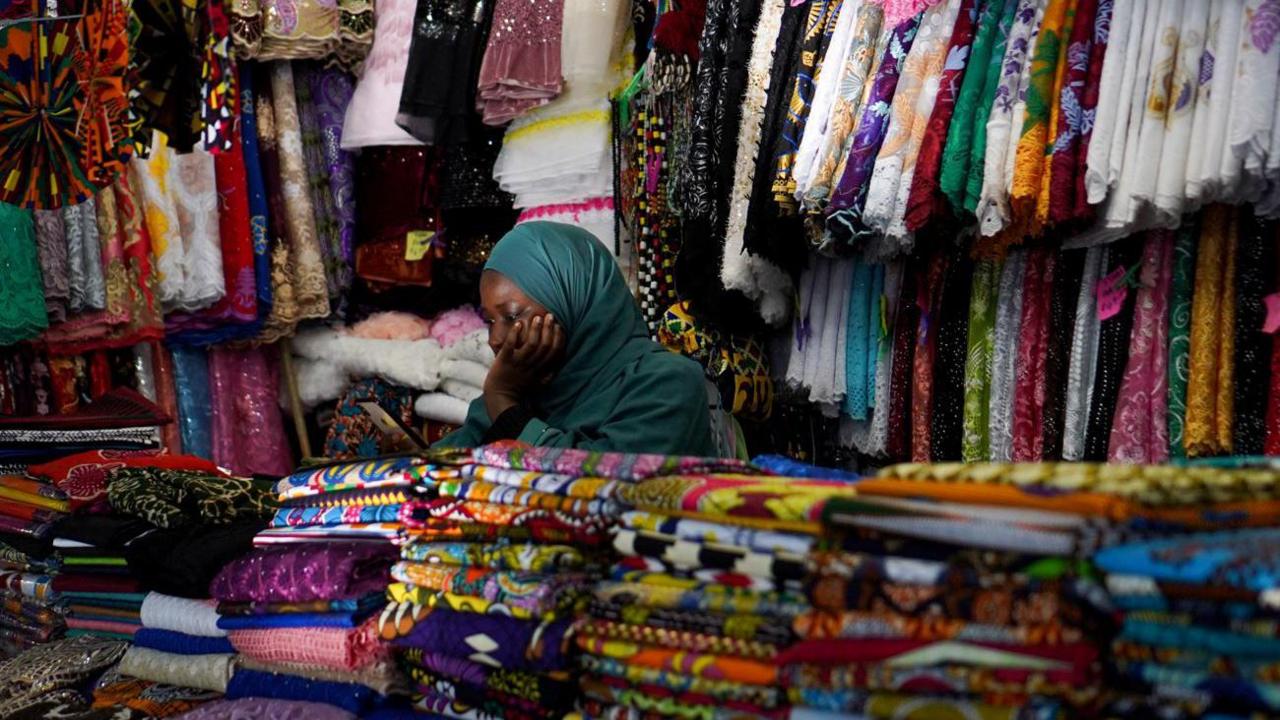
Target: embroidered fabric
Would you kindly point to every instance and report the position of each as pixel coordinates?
(22, 307)
(1004, 357)
(371, 115)
(309, 286)
(193, 181)
(84, 255)
(204, 672)
(62, 666)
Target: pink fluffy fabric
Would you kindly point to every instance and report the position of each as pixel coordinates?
(451, 326)
(392, 326)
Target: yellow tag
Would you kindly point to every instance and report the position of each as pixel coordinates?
(417, 244)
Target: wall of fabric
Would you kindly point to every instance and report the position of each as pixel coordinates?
(990, 229)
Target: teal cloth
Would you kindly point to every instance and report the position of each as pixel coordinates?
(874, 338)
(857, 334)
(618, 390)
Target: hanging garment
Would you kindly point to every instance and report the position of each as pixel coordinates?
(1113, 349)
(1072, 116)
(925, 356)
(1002, 125)
(1183, 81)
(1029, 367)
(1067, 273)
(1005, 356)
(1084, 355)
(371, 115)
(1210, 394)
(1184, 263)
(1255, 277)
(976, 439)
(821, 120)
(1139, 430)
(22, 310)
(946, 424)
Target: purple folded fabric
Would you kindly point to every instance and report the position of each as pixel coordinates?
(508, 642)
(306, 572)
(265, 709)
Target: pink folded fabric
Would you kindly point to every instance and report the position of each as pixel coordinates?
(339, 648)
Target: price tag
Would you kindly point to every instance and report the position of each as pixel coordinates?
(1272, 322)
(417, 245)
(1111, 292)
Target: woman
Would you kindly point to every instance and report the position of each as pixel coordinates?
(575, 366)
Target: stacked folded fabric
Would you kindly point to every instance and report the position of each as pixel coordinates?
(1200, 613)
(700, 604)
(300, 610)
(971, 584)
(179, 659)
(501, 559)
(29, 613)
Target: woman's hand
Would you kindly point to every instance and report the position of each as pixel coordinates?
(525, 361)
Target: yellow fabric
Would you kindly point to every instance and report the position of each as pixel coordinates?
(1210, 399)
(1029, 173)
(31, 499)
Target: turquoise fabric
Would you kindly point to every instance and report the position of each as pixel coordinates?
(618, 390)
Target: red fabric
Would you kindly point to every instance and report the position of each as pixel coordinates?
(926, 351)
(166, 395)
(1064, 162)
(74, 582)
(1033, 347)
(925, 201)
(22, 511)
(83, 476)
(1093, 83)
(99, 374)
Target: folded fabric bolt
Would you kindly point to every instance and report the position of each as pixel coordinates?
(106, 626)
(467, 371)
(372, 601)
(265, 709)
(206, 672)
(441, 407)
(533, 592)
(593, 463)
(190, 617)
(366, 533)
(301, 517)
(178, 498)
(340, 648)
(391, 495)
(351, 697)
(83, 476)
(150, 699)
(496, 556)
(524, 497)
(350, 476)
(300, 573)
(695, 530)
(493, 640)
(545, 482)
(462, 390)
(17, 526)
(383, 676)
(181, 643)
(291, 620)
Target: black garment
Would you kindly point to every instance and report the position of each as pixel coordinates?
(1067, 275)
(509, 424)
(946, 427)
(183, 561)
(1113, 356)
(438, 101)
(1255, 263)
(706, 173)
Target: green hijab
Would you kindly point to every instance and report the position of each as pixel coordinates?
(618, 390)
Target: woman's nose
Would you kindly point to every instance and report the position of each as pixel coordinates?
(495, 339)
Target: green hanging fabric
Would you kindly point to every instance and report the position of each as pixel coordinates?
(975, 443)
(1184, 266)
(22, 311)
(991, 81)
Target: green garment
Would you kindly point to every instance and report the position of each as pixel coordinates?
(976, 440)
(956, 154)
(1184, 266)
(991, 82)
(618, 390)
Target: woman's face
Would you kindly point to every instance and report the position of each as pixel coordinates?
(503, 305)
